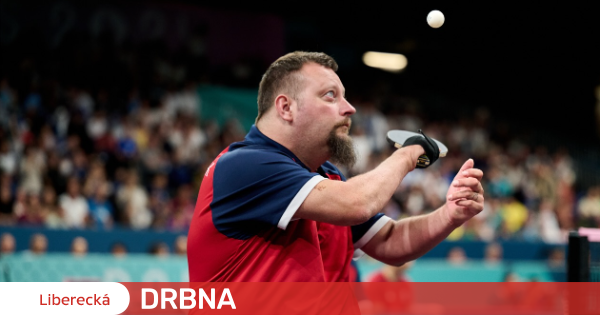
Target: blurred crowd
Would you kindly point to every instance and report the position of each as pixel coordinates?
(95, 136)
(79, 167)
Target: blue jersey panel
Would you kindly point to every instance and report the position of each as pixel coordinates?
(253, 186)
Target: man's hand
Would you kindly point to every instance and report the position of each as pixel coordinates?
(432, 151)
(465, 195)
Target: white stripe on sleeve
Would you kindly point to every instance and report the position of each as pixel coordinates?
(358, 253)
(298, 200)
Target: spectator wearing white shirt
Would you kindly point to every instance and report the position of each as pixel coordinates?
(132, 200)
(32, 168)
(75, 206)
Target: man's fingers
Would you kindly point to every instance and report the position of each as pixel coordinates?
(467, 165)
(470, 204)
(467, 182)
(473, 172)
(466, 194)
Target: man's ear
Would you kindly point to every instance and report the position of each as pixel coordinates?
(283, 106)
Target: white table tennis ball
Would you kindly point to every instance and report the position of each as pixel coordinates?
(435, 18)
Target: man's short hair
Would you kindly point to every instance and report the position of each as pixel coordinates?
(281, 77)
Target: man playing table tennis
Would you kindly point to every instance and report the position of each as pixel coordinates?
(272, 208)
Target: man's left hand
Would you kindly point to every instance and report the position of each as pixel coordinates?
(465, 195)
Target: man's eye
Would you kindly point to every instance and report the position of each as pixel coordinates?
(330, 94)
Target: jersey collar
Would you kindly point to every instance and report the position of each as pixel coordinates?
(255, 136)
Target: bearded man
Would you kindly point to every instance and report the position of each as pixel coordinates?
(273, 208)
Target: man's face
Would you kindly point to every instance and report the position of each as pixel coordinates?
(324, 113)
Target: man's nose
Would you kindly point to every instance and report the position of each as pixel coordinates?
(347, 109)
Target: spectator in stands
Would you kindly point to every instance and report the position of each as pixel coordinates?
(96, 178)
(514, 215)
(80, 164)
(79, 246)
(550, 231)
(19, 205)
(374, 123)
(556, 259)
(8, 244)
(8, 157)
(101, 210)
(181, 209)
(32, 168)
(118, 249)
(53, 213)
(155, 159)
(415, 202)
(187, 139)
(133, 201)
(97, 126)
(74, 205)
(456, 256)
(493, 253)
(589, 208)
(159, 199)
(6, 204)
(160, 249)
(180, 246)
(33, 215)
(54, 172)
(363, 149)
(127, 149)
(38, 244)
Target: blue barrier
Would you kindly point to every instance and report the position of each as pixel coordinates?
(98, 241)
(141, 241)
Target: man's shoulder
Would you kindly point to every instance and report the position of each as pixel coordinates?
(253, 154)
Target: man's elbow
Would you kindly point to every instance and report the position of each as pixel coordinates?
(361, 212)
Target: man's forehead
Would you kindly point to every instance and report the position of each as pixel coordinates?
(321, 74)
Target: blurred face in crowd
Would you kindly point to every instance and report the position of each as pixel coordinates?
(73, 187)
(79, 247)
(7, 244)
(101, 192)
(181, 245)
(324, 113)
(119, 250)
(34, 200)
(457, 255)
(5, 194)
(49, 196)
(493, 253)
(39, 244)
(132, 179)
(160, 249)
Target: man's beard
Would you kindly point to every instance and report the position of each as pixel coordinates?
(341, 148)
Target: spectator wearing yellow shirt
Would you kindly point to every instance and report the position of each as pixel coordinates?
(514, 214)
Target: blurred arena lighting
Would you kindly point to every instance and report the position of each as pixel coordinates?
(385, 61)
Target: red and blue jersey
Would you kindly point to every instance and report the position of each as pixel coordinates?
(243, 229)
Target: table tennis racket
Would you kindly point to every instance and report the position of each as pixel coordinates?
(398, 137)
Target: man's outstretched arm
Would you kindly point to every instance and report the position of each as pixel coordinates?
(361, 197)
(407, 239)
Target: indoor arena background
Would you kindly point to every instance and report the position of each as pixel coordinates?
(110, 113)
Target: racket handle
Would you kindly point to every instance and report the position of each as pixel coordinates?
(423, 161)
